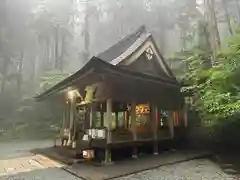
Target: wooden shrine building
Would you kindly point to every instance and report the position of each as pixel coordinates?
(119, 97)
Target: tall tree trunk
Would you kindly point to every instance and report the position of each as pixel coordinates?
(204, 41)
(57, 64)
(163, 28)
(238, 7)
(3, 25)
(4, 72)
(227, 16)
(20, 68)
(33, 72)
(86, 33)
(2, 21)
(3, 85)
(213, 28)
(46, 52)
(63, 51)
(162, 39)
(183, 39)
(215, 25)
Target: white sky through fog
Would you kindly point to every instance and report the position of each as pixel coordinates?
(200, 2)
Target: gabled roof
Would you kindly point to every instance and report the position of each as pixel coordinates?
(130, 44)
(94, 65)
(109, 60)
(122, 46)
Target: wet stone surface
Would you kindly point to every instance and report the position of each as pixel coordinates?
(191, 170)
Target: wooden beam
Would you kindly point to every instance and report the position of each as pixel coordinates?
(117, 120)
(72, 111)
(64, 126)
(92, 115)
(133, 120)
(108, 120)
(185, 113)
(102, 116)
(171, 123)
(154, 111)
(108, 125)
(133, 127)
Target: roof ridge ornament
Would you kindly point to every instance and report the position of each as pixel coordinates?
(149, 53)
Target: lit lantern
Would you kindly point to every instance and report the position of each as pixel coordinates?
(71, 94)
(101, 134)
(88, 154)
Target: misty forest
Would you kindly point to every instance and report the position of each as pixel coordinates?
(44, 41)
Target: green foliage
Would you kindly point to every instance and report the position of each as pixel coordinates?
(215, 89)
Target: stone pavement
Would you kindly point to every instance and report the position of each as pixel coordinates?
(36, 167)
(26, 164)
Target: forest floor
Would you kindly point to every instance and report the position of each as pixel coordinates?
(17, 163)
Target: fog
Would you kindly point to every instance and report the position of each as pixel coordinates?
(44, 41)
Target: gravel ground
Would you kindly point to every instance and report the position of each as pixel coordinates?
(191, 170)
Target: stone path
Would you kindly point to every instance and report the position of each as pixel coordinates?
(35, 167)
(46, 174)
(26, 164)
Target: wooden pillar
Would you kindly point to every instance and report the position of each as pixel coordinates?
(72, 110)
(92, 115)
(185, 118)
(155, 129)
(67, 117)
(74, 141)
(102, 116)
(64, 126)
(133, 127)
(126, 123)
(108, 125)
(63, 120)
(117, 120)
(133, 120)
(171, 123)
